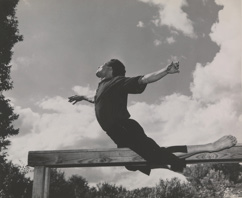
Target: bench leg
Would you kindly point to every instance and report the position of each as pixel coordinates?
(41, 182)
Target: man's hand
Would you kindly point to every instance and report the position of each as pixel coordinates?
(76, 98)
(173, 68)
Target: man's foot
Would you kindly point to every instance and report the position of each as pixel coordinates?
(223, 143)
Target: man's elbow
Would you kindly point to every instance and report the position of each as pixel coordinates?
(143, 81)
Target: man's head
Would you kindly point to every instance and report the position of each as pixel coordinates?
(117, 66)
(112, 68)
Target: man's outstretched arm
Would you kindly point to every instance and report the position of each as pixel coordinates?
(76, 98)
(155, 76)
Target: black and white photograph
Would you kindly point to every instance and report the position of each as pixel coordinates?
(120, 98)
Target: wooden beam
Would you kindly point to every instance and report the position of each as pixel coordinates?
(119, 157)
(41, 182)
(47, 182)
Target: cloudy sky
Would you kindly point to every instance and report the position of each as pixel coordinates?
(65, 42)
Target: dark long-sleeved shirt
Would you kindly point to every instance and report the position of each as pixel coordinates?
(111, 99)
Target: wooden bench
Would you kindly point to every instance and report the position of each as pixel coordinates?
(42, 161)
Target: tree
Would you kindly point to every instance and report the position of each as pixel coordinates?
(105, 190)
(13, 183)
(208, 181)
(79, 186)
(214, 184)
(59, 187)
(144, 192)
(195, 173)
(173, 188)
(9, 35)
(7, 116)
(232, 171)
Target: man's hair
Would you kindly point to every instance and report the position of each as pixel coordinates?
(117, 66)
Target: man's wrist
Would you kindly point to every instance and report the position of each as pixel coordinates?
(85, 98)
(167, 71)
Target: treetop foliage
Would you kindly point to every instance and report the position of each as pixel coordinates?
(9, 35)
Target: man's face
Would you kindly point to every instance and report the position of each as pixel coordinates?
(104, 71)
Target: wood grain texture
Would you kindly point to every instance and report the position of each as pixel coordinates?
(47, 182)
(119, 157)
(41, 182)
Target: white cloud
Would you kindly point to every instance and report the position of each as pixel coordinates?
(60, 125)
(157, 42)
(170, 40)
(221, 78)
(83, 90)
(140, 24)
(180, 119)
(172, 15)
(28, 118)
(218, 83)
(156, 22)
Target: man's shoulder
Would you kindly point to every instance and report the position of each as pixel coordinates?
(124, 79)
(118, 78)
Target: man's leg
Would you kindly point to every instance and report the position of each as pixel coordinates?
(124, 134)
(186, 151)
(221, 144)
(147, 148)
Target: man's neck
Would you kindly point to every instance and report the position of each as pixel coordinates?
(106, 78)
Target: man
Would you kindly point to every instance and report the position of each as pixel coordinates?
(112, 114)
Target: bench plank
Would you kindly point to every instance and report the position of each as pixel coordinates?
(120, 157)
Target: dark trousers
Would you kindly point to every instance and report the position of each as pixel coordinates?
(129, 134)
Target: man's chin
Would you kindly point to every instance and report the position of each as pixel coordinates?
(98, 74)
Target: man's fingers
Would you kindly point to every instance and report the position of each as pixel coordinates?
(71, 100)
(177, 71)
(176, 66)
(170, 67)
(173, 68)
(173, 71)
(76, 101)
